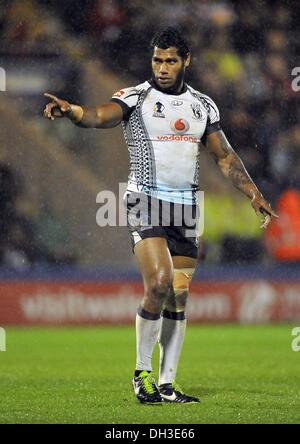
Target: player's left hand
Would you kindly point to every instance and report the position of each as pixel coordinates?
(260, 205)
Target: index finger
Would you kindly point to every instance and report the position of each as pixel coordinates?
(51, 97)
(266, 221)
(269, 211)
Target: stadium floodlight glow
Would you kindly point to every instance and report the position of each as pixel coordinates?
(2, 340)
(296, 81)
(2, 79)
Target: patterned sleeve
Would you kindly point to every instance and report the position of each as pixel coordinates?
(127, 99)
(213, 120)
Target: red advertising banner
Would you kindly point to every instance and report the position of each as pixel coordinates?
(69, 303)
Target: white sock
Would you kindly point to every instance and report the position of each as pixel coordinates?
(171, 338)
(147, 331)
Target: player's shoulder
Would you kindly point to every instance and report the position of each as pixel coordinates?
(207, 102)
(131, 91)
(200, 95)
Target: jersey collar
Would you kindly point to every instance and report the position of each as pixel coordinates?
(155, 86)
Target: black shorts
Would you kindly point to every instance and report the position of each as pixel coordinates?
(150, 217)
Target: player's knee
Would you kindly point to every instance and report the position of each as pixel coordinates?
(181, 283)
(161, 286)
(182, 278)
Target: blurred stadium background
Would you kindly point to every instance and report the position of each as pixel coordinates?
(56, 265)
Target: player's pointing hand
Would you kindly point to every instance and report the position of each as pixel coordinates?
(260, 205)
(57, 107)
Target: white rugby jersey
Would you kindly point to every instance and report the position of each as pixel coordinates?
(163, 134)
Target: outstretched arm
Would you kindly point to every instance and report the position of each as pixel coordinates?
(234, 169)
(102, 116)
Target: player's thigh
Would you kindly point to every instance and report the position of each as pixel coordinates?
(154, 259)
(184, 262)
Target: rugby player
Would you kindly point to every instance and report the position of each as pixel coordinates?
(165, 122)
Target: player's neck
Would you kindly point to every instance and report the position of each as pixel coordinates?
(175, 90)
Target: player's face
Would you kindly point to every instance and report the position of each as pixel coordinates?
(168, 67)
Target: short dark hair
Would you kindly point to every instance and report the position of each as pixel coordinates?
(168, 37)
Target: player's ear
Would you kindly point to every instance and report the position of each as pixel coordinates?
(187, 60)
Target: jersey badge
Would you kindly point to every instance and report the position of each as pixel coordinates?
(197, 111)
(158, 110)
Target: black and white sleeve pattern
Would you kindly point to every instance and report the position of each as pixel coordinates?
(127, 98)
(213, 119)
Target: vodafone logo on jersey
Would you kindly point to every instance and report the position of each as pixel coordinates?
(180, 126)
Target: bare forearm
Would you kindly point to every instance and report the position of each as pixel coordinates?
(230, 163)
(86, 117)
(107, 115)
(234, 169)
(94, 117)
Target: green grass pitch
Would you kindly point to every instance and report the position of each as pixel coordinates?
(243, 374)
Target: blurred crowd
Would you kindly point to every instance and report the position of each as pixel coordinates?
(26, 27)
(19, 246)
(243, 57)
(21, 240)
